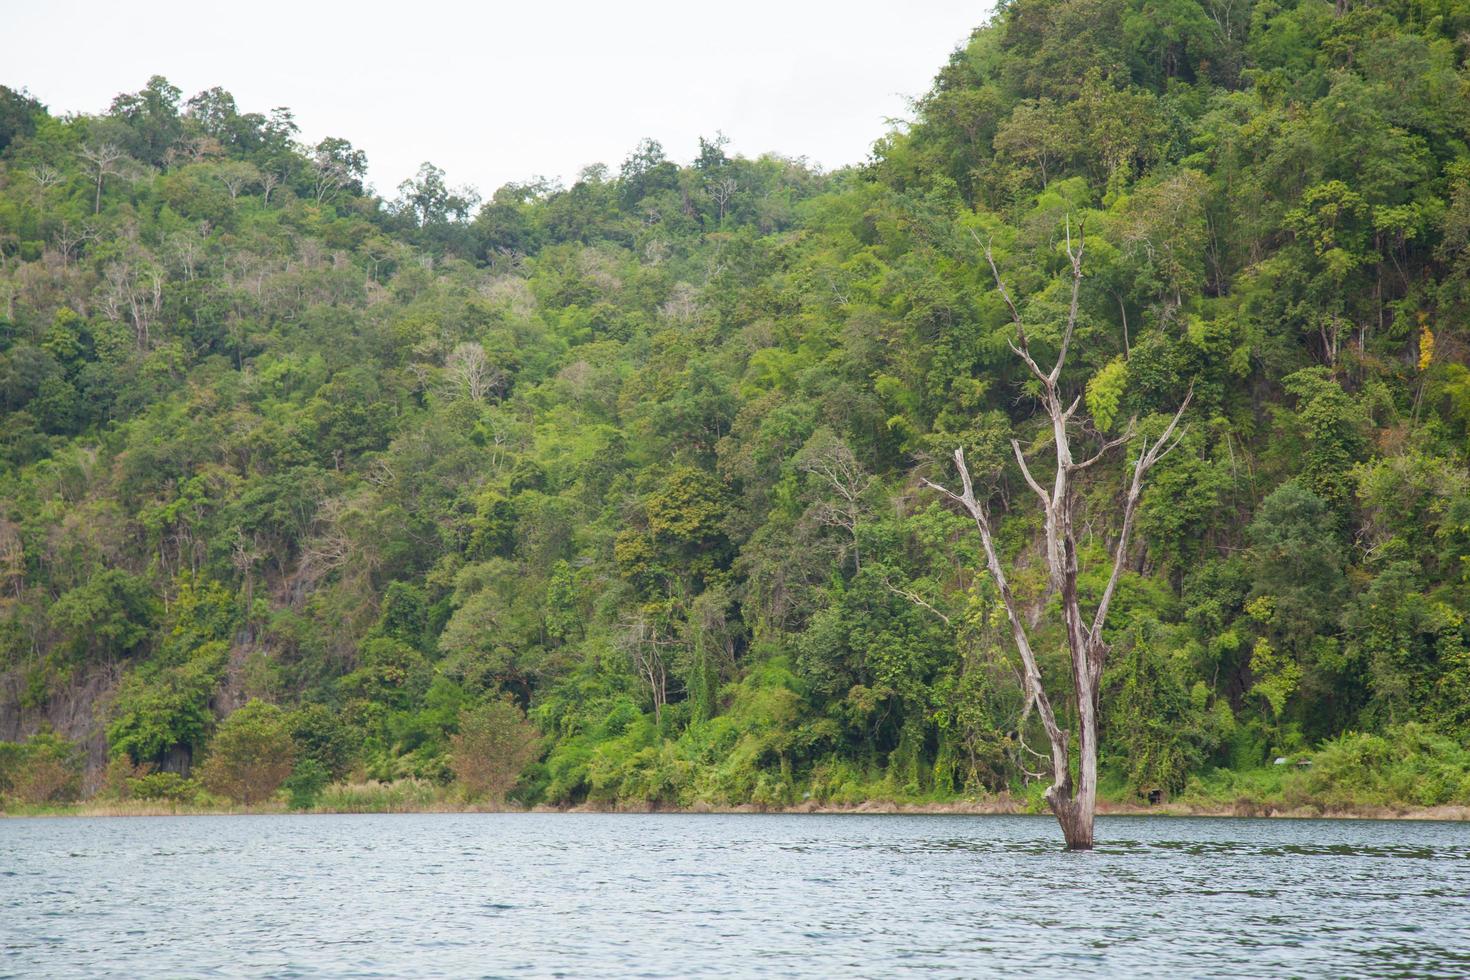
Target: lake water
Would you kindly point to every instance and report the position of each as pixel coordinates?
(680, 895)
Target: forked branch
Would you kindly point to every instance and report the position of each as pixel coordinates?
(966, 499)
(1148, 455)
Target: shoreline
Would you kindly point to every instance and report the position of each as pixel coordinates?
(994, 807)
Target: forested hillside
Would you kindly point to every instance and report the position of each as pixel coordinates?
(640, 456)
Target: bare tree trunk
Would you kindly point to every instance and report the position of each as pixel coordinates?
(1073, 804)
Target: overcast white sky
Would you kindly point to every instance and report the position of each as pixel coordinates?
(493, 91)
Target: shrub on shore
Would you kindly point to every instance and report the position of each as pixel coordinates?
(168, 786)
(491, 750)
(251, 755)
(45, 768)
(1407, 766)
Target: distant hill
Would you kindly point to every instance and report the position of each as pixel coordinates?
(641, 455)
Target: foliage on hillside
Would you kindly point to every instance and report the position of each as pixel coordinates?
(641, 454)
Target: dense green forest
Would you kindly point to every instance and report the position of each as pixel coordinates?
(615, 487)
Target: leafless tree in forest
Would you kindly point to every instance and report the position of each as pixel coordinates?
(189, 248)
(470, 370)
(103, 160)
(830, 460)
(44, 177)
(12, 559)
(244, 556)
(1073, 804)
(723, 191)
(1224, 13)
(494, 745)
(269, 181)
(236, 176)
(644, 646)
(69, 238)
(133, 293)
(194, 148)
(328, 177)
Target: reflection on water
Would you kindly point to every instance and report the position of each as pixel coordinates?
(665, 895)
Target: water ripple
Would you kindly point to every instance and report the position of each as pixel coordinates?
(675, 895)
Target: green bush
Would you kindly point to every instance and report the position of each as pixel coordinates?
(45, 768)
(163, 786)
(252, 754)
(321, 735)
(305, 784)
(162, 706)
(1407, 766)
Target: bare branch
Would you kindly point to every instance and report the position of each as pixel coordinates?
(1026, 472)
(1107, 446)
(1147, 457)
(915, 598)
(1000, 285)
(944, 490)
(1076, 257)
(1021, 734)
(1058, 738)
(1025, 355)
(1154, 455)
(1172, 445)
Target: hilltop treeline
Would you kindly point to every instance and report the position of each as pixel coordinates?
(640, 456)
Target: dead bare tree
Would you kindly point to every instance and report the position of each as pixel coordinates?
(269, 181)
(192, 149)
(644, 646)
(828, 458)
(69, 239)
(12, 559)
(723, 191)
(104, 160)
(244, 555)
(1073, 805)
(327, 177)
(1223, 13)
(45, 177)
(133, 292)
(189, 249)
(469, 370)
(236, 176)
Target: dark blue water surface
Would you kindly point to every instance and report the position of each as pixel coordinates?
(739, 895)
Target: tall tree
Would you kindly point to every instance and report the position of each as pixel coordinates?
(103, 160)
(1073, 803)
